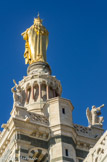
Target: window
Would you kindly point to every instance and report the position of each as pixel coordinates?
(66, 152)
(63, 110)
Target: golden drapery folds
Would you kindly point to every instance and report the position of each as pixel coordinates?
(36, 44)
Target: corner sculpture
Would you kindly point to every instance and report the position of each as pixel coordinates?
(17, 94)
(36, 44)
(93, 116)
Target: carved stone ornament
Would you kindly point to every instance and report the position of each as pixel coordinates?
(93, 116)
(17, 94)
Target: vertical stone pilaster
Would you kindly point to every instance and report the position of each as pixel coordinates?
(47, 90)
(32, 92)
(26, 96)
(40, 93)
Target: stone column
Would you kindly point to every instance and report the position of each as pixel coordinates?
(47, 90)
(32, 92)
(40, 96)
(26, 91)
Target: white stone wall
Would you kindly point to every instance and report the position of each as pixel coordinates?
(54, 111)
(99, 152)
(66, 118)
(71, 151)
(56, 151)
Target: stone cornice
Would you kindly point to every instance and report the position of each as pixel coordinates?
(55, 99)
(40, 78)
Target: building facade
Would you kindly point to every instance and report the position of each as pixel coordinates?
(41, 127)
(99, 152)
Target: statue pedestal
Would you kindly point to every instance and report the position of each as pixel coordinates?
(39, 68)
(97, 131)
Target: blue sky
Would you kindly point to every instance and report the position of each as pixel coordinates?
(77, 51)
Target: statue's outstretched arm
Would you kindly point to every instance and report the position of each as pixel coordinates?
(99, 108)
(15, 83)
(102, 105)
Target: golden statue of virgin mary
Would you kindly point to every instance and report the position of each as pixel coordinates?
(36, 44)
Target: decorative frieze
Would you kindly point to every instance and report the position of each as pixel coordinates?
(82, 129)
(40, 135)
(90, 132)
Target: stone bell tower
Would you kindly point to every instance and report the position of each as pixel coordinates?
(41, 127)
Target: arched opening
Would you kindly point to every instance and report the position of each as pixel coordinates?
(57, 92)
(51, 92)
(36, 92)
(44, 94)
(38, 155)
(28, 93)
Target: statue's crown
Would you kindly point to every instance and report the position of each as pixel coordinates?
(37, 20)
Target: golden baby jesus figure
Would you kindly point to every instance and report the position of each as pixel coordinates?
(36, 44)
